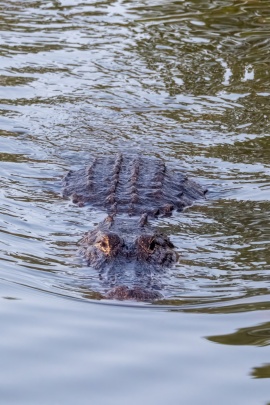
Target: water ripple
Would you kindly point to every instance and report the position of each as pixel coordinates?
(184, 81)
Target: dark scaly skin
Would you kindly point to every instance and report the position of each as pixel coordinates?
(129, 255)
(129, 263)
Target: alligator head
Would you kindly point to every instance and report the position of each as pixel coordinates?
(129, 256)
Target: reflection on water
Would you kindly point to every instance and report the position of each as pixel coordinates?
(255, 336)
(258, 335)
(261, 372)
(185, 81)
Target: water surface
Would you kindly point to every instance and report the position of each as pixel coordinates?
(186, 81)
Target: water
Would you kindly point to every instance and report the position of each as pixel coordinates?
(187, 81)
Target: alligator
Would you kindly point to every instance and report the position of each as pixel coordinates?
(128, 253)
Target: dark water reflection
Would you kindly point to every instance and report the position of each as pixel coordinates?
(257, 336)
(261, 372)
(186, 81)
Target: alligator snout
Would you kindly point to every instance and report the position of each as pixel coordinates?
(137, 293)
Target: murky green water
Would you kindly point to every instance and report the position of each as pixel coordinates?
(188, 81)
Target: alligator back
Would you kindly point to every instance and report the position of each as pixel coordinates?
(131, 184)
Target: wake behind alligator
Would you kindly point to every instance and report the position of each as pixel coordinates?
(128, 253)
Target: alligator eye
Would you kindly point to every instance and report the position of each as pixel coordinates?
(147, 243)
(152, 245)
(109, 244)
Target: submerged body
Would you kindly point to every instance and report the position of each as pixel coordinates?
(128, 253)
